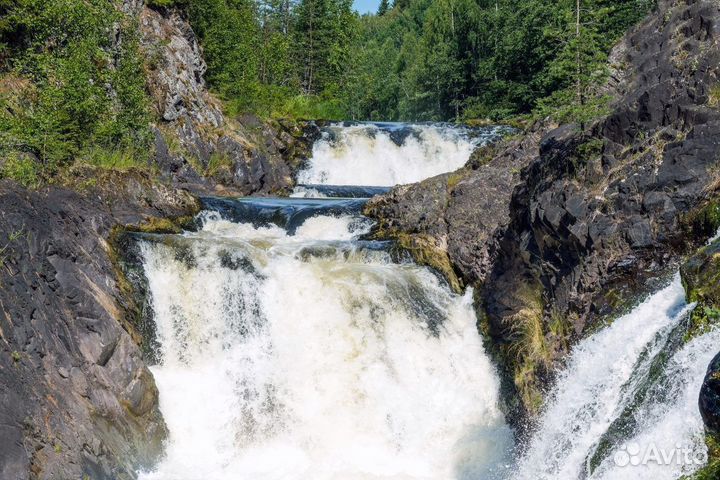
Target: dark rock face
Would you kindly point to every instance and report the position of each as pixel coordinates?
(594, 213)
(76, 399)
(460, 212)
(709, 401)
(600, 211)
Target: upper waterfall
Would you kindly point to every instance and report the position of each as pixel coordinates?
(386, 154)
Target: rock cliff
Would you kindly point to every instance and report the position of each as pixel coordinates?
(196, 144)
(76, 399)
(570, 238)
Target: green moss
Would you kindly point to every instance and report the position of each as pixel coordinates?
(701, 279)
(704, 221)
(425, 251)
(157, 225)
(453, 179)
(714, 96)
(529, 352)
(711, 471)
(702, 320)
(15, 355)
(165, 3)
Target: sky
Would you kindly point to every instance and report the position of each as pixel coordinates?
(366, 6)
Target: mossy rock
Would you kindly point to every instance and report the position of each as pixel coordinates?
(704, 221)
(426, 251)
(711, 471)
(701, 279)
(163, 225)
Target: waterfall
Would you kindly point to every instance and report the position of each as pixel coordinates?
(292, 347)
(314, 354)
(625, 406)
(385, 154)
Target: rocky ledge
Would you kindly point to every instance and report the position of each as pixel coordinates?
(76, 399)
(560, 229)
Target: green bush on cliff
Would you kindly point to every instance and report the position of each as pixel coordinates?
(71, 80)
(23, 170)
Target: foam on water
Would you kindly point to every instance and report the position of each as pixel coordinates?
(279, 366)
(369, 154)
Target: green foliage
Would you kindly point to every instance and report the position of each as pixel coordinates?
(165, 3)
(22, 169)
(702, 320)
(383, 7)
(416, 60)
(464, 59)
(67, 83)
(116, 158)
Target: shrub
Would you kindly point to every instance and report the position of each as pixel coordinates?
(22, 169)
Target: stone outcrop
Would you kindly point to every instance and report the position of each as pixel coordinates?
(458, 213)
(196, 144)
(76, 399)
(594, 212)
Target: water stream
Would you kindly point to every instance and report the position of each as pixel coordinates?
(292, 348)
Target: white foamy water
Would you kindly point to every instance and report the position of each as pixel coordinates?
(602, 377)
(670, 425)
(367, 154)
(279, 365)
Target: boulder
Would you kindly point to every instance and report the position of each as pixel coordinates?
(709, 400)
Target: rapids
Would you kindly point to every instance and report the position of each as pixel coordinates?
(291, 347)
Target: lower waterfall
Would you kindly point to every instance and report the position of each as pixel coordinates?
(316, 356)
(625, 406)
(319, 355)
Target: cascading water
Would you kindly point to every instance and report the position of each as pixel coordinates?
(291, 348)
(626, 405)
(386, 154)
(312, 356)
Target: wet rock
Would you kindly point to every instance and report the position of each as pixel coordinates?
(76, 398)
(709, 401)
(460, 210)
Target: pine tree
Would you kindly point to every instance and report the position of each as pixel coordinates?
(384, 7)
(324, 32)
